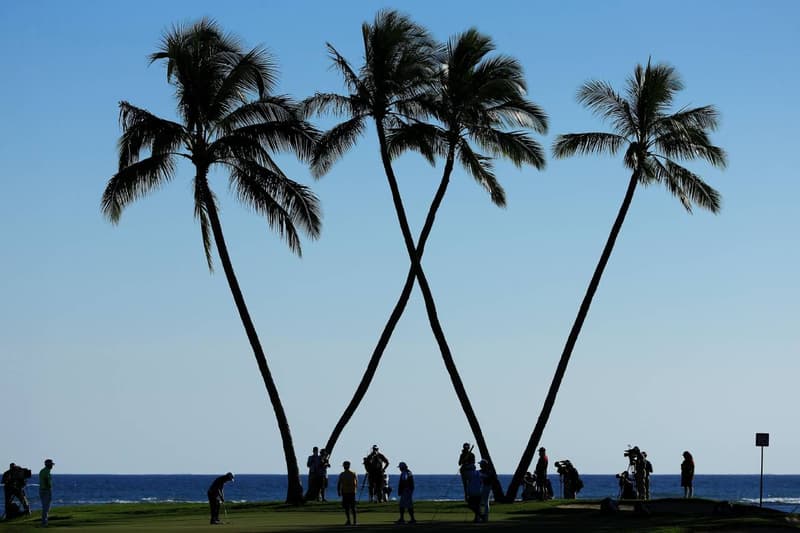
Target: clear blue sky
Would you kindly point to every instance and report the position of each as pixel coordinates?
(120, 353)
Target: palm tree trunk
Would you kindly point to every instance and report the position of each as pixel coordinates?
(294, 491)
(394, 318)
(430, 305)
(550, 400)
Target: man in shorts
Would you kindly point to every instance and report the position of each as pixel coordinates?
(346, 488)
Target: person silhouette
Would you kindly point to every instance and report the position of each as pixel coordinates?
(687, 475)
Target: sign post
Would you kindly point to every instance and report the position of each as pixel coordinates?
(762, 441)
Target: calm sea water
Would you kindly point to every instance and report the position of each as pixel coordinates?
(780, 491)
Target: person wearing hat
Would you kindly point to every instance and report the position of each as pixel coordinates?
(346, 487)
(540, 473)
(216, 494)
(405, 490)
(375, 464)
(466, 459)
(46, 489)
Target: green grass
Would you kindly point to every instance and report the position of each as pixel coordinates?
(431, 516)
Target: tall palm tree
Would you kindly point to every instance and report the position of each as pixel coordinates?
(222, 126)
(655, 140)
(399, 66)
(475, 98)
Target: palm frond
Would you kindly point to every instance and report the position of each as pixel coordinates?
(134, 181)
(201, 214)
(253, 72)
(652, 88)
(426, 139)
(351, 79)
(284, 203)
(480, 168)
(690, 143)
(296, 136)
(688, 187)
(519, 113)
(143, 130)
(267, 109)
(334, 143)
(516, 146)
(335, 104)
(606, 103)
(587, 143)
(704, 118)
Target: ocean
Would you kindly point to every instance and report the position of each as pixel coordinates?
(780, 491)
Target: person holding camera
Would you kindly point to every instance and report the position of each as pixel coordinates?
(14, 480)
(375, 464)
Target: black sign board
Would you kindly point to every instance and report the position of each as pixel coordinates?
(762, 439)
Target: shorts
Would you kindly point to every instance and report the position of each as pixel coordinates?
(349, 499)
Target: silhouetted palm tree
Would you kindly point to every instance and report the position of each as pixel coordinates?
(224, 127)
(399, 67)
(654, 140)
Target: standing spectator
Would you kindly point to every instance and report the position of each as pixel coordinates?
(46, 489)
(465, 460)
(314, 464)
(648, 469)
(687, 475)
(405, 491)
(347, 488)
(216, 494)
(324, 466)
(474, 490)
(540, 474)
(488, 479)
(375, 463)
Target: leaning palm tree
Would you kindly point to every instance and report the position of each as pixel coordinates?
(230, 121)
(655, 141)
(389, 89)
(475, 98)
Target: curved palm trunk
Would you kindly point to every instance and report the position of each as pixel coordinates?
(394, 318)
(550, 400)
(430, 305)
(294, 491)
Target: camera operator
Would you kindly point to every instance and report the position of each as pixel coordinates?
(637, 472)
(375, 464)
(626, 489)
(571, 482)
(14, 481)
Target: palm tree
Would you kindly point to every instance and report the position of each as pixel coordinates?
(655, 140)
(222, 127)
(472, 98)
